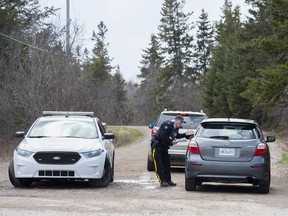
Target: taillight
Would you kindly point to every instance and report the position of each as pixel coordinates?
(153, 132)
(260, 150)
(194, 147)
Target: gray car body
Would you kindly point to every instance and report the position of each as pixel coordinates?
(207, 167)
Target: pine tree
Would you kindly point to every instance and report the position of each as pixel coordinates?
(99, 66)
(222, 88)
(269, 88)
(177, 78)
(121, 109)
(205, 39)
(152, 64)
(175, 35)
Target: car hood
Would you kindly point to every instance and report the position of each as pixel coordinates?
(59, 144)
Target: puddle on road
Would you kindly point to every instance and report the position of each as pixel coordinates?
(144, 180)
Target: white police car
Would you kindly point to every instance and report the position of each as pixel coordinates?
(64, 145)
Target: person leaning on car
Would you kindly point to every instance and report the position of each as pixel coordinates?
(164, 138)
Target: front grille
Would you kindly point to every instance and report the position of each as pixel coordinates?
(56, 173)
(63, 158)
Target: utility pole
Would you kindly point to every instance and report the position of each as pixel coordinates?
(67, 26)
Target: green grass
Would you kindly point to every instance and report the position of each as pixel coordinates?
(124, 135)
(284, 159)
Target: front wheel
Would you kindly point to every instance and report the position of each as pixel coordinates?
(106, 177)
(190, 184)
(18, 182)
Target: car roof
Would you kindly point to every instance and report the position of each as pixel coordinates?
(183, 112)
(229, 120)
(72, 118)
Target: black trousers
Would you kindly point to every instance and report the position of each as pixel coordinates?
(162, 163)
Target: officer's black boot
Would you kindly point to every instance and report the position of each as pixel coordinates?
(164, 184)
(171, 183)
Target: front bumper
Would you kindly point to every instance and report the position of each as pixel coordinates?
(255, 170)
(85, 168)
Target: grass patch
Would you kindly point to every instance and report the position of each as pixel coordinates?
(124, 135)
(284, 159)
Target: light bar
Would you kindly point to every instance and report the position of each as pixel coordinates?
(64, 113)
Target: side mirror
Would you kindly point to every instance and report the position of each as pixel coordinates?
(20, 134)
(270, 139)
(109, 136)
(151, 126)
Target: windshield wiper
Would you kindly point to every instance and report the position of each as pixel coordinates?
(220, 137)
(38, 136)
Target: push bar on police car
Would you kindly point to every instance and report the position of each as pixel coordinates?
(64, 113)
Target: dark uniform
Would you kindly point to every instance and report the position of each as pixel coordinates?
(164, 137)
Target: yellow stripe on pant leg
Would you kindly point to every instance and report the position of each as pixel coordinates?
(155, 164)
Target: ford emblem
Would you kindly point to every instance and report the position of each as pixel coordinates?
(56, 158)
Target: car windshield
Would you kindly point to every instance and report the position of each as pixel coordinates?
(229, 131)
(191, 121)
(64, 129)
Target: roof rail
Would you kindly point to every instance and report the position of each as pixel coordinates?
(67, 113)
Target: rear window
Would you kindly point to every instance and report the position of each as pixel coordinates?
(191, 121)
(229, 131)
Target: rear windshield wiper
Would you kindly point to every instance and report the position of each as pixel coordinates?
(220, 137)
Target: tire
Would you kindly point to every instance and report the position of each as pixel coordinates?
(18, 182)
(150, 165)
(106, 178)
(264, 186)
(112, 176)
(190, 184)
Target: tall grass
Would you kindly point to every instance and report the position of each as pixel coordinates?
(124, 135)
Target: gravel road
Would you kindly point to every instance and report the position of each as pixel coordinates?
(136, 192)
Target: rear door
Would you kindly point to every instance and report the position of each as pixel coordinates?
(228, 141)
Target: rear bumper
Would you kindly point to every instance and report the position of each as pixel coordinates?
(247, 172)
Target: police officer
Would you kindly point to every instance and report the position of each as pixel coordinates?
(166, 137)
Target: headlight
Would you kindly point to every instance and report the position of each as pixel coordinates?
(91, 154)
(23, 153)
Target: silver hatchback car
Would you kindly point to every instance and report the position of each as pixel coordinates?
(228, 150)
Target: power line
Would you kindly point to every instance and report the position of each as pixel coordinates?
(29, 45)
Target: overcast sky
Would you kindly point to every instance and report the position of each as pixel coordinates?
(130, 24)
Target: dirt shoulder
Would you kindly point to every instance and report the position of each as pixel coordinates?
(136, 192)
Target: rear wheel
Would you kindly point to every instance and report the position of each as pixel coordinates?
(150, 164)
(190, 184)
(264, 186)
(106, 177)
(18, 182)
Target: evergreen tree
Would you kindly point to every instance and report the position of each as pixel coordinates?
(256, 26)
(178, 75)
(269, 87)
(151, 65)
(205, 39)
(222, 88)
(99, 66)
(121, 109)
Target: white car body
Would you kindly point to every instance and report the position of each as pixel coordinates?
(65, 157)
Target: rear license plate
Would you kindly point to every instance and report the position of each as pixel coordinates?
(227, 151)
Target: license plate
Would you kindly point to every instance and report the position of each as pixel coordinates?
(227, 151)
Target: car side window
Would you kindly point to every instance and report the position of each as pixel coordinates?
(101, 127)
